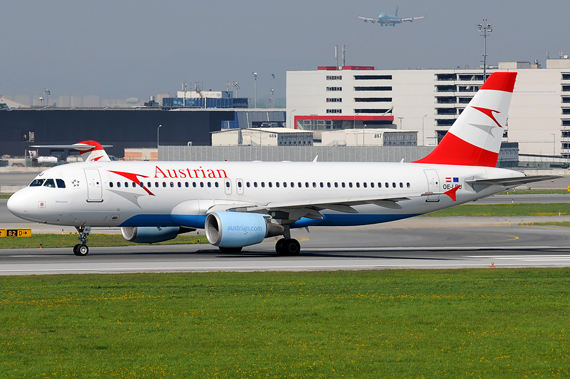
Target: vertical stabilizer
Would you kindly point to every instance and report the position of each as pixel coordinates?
(475, 137)
(92, 151)
(396, 14)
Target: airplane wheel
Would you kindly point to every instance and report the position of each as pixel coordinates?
(287, 247)
(230, 250)
(80, 250)
(279, 246)
(292, 247)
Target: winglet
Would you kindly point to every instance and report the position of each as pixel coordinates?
(452, 193)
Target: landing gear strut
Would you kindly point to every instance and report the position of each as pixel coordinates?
(81, 249)
(287, 245)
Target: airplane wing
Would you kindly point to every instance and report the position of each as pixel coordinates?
(366, 19)
(411, 19)
(511, 182)
(294, 210)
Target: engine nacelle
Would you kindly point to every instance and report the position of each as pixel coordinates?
(150, 234)
(237, 229)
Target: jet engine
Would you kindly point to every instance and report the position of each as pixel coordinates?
(236, 229)
(151, 234)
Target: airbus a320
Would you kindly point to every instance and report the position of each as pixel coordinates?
(239, 204)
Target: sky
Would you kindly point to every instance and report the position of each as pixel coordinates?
(138, 48)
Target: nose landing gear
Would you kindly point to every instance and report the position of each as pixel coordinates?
(81, 248)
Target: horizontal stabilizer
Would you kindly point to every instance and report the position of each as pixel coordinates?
(512, 182)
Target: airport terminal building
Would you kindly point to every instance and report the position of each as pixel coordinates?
(429, 101)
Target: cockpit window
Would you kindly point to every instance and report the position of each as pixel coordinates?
(49, 183)
(37, 182)
(60, 183)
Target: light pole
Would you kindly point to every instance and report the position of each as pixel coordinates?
(158, 136)
(484, 28)
(553, 144)
(255, 85)
(423, 131)
(272, 99)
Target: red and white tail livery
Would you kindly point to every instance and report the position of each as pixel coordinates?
(241, 203)
(475, 137)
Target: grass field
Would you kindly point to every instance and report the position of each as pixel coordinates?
(95, 240)
(507, 323)
(504, 210)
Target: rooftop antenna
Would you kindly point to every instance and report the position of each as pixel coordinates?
(343, 55)
(336, 54)
(236, 84)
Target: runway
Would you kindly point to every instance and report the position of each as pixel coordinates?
(424, 244)
(421, 242)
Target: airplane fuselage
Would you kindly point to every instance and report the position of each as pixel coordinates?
(117, 194)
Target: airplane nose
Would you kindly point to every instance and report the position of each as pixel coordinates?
(18, 205)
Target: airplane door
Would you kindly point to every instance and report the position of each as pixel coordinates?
(228, 186)
(94, 187)
(239, 184)
(433, 184)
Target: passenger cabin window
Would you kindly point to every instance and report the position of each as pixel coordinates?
(60, 183)
(49, 183)
(37, 183)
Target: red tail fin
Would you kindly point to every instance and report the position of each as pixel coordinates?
(475, 137)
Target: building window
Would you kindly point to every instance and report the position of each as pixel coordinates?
(385, 88)
(334, 110)
(565, 110)
(446, 99)
(446, 111)
(565, 99)
(372, 111)
(446, 77)
(565, 88)
(445, 88)
(464, 100)
(468, 88)
(566, 134)
(565, 76)
(447, 122)
(373, 99)
(334, 88)
(372, 77)
(470, 77)
(334, 77)
(334, 100)
(565, 122)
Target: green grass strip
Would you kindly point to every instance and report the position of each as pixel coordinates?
(504, 210)
(491, 323)
(95, 240)
(535, 191)
(562, 223)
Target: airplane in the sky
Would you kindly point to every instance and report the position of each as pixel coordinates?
(385, 19)
(241, 203)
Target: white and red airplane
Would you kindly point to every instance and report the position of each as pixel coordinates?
(241, 203)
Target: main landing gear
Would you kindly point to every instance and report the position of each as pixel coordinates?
(287, 245)
(81, 249)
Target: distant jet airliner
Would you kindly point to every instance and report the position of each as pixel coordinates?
(384, 19)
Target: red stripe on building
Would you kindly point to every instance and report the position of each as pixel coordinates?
(453, 150)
